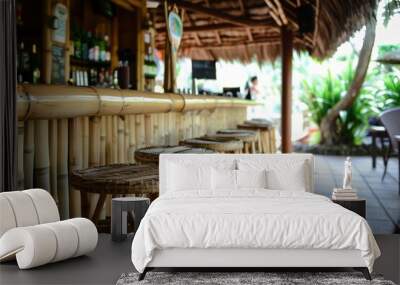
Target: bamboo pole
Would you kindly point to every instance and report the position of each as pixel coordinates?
(85, 142)
(55, 102)
(76, 162)
(162, 129)
(109, 159)
(286, 96)
(155, 129)
(114, 139)
(148, 130)
(181, 128)
(140, 131)
(42, 160)
(167, 128)
(103, 149)
(20, 156)
(127, 130)
(132, 137)
(94, 155)
(62, 168)
(47, 44)
(103, 138)
(94, 141)
(121, 140)
(53, 133)
(29, 151)
(85, 197)
(140, 48)
(173, 129)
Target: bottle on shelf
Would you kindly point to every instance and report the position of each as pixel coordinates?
(102, 46)
(84, 45)
(35, 66)
(96, 46)
(77, 45)
(20, 75)
(23, 63)
(90, 47)
(108, 49)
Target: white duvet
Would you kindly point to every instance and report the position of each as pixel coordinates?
(250, 219)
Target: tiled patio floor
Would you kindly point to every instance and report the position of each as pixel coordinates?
(383, 199)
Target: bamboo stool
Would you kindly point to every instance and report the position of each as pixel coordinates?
(115, 180)
(248, 138)
(151, 154)
(266, 135)
(222, 145)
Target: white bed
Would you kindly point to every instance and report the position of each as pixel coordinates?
(195, 224)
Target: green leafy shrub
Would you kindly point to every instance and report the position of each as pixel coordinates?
(388, 96)
(322, 93)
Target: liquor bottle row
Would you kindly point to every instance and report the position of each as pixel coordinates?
(99, 77)
(28, 64)
(87, 46)
(150, 67)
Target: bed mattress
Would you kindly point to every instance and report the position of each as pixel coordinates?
(250, 219)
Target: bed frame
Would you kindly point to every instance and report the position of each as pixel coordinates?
(245, 259)
(248, 259)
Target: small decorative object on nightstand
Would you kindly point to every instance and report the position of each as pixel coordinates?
(358, 206)
(347, 192)
(119, 215)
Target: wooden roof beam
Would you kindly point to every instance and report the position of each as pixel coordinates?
(218, 27)
(274, 12)
(233, 44)
(241, 21)
(281, 12)
(243, 11)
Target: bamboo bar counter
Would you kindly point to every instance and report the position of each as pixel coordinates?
(63, 128)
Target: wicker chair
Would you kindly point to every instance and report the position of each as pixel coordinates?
(391, 121)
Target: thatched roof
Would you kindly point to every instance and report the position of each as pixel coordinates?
(242, 29)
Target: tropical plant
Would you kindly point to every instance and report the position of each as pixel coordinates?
(321, 94)
(389, 96)
(391, 8)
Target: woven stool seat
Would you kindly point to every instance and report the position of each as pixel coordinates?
(243, 135)
(114, 179)
(254, 126)
(266, 134)
(152, 154)
(259, 121)
(248, 137)
(216, 144)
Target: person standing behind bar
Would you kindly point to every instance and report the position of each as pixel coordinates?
(251, 88)
(252, 93)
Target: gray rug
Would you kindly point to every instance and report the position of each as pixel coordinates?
(269, 278)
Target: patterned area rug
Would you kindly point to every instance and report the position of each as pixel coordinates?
(269, 278)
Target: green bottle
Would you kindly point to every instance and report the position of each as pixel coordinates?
(77, 45)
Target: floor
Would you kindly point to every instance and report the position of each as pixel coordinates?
(110, 259)
(103, 266)
(383, 199)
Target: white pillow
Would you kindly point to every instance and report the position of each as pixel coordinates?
(281, 174)
(187, 177)
(290, 179)
(251, 178)
(223, 179)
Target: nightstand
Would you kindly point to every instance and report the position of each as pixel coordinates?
(357, 206)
